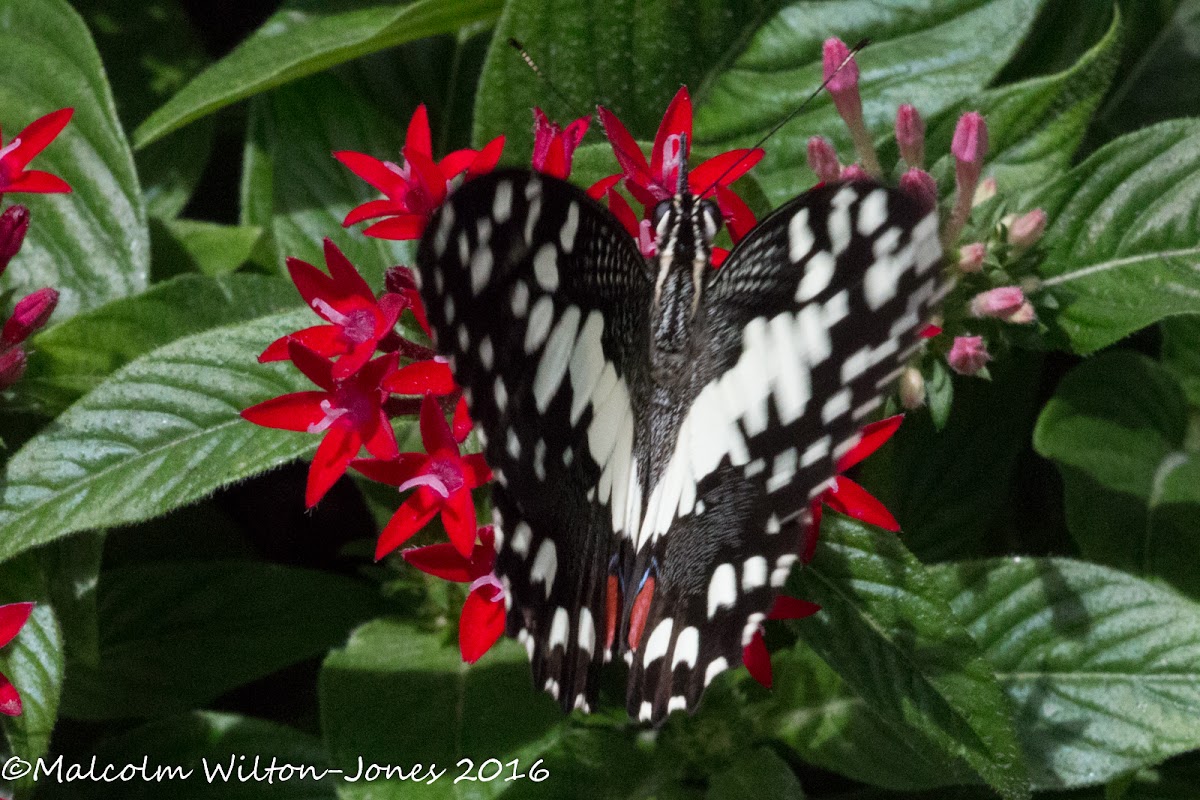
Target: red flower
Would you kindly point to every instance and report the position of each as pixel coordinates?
(20, 151)
(443, 479)
(553, 146)
(349, 412)
(12, 618)
(416, 189)
(358, 320)
(755, 655)
(658, 180)
(482, 620)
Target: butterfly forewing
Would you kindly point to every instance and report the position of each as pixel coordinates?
(539, 297)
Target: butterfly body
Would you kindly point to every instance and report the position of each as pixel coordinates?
(656, 427)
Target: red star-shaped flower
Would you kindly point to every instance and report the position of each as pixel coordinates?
(657, 180)
(415, 190)
(12, 618)
(755, 655)
(482, 620)
(17, 154)
(554, 146)
(349, 412)
(358, 321)
(443, 479)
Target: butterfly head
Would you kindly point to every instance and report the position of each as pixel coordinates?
(685, 226)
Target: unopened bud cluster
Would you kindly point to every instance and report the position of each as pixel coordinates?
(31, 311)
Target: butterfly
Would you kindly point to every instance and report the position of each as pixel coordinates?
(657, 428)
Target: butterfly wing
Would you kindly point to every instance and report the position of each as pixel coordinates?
(808, 322)
(539, 298)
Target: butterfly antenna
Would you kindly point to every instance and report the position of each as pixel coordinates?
(813, 96)
(529, 62)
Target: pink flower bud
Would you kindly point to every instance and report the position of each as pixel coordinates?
(823, 160)
(912, 388)
(968, 355)
(13, 224)
(910, 135)
(31, 313)
(842, 77)
(998, 303)
(920, 185)
(853, 172)
(970, 139)
(1027, 229)
(970, 257)
(12, 367)
(1023, 315)
(840, 81)
(985, 191)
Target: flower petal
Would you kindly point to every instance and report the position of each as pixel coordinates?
(872, 438)
(487, 159)
(677, 120)
(853, 500)
(36, 136)
(633, 164)
(401, 228)
(737, 214)
(370, 210)
(418, 139)
(12, 617)
(339, 447)
(441, 560)
(758, 660)
(392, 471)
(324, 340)
(458, 517)
(476, 472)
(10, 699)
(380, 439)
(290, 412)
(37, 182)
(317, 369)
(347, 281)
(435, 433)
(461, 425)
(723, 169)
(373, 171)
(412, 515)
(786, 607)
(480, 625)
(421, 377)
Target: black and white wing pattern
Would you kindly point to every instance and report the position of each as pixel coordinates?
(539, 298)
(807, 323)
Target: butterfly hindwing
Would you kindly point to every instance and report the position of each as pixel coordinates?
(807, 322)
(539, 298)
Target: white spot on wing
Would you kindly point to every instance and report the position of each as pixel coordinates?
(872, 212)
(545, 267)
(587, 631)
(818, 272)
(800, 236)
(558, 629)
(715, 668)
(522, 537)
(722, 589)
(540, 320)
(754, 573)
(687, 646)
(520, 299)
(660, 639)
(553, 364)
(567, 235)
(545, 566)
(502, 202)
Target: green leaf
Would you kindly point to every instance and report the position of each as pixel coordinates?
(34, 664)
(201, 740)
(595, 54)
(1122, 242)
(71, 359)
(1116, 429)
(72, 568)
(811, 710)
(886, 629)
(306, 37)
(1034, 126)
(177, 635)
(932, 55)
(396, 690)
(91, 245)
(1104, 668)
(949, 488)
(150, 51)
(301, 125)
(1181, 353)
(761, 774)
(209, 247)
(161, 432)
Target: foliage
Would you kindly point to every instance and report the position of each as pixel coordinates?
(1035, 626)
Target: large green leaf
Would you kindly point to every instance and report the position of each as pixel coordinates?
(886, 628)
(150, 51)
(929, 54)
(1104, 668)
(91, 245)
(397, 690)
(197, 742)
(815, 713)
(177, 635)
(1116, 427)
(34, 663)
(306, 37)
(1122, 243)
(1035, 126)
(300, 126)
(71, 359)
(161, 432)
(627, 55)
